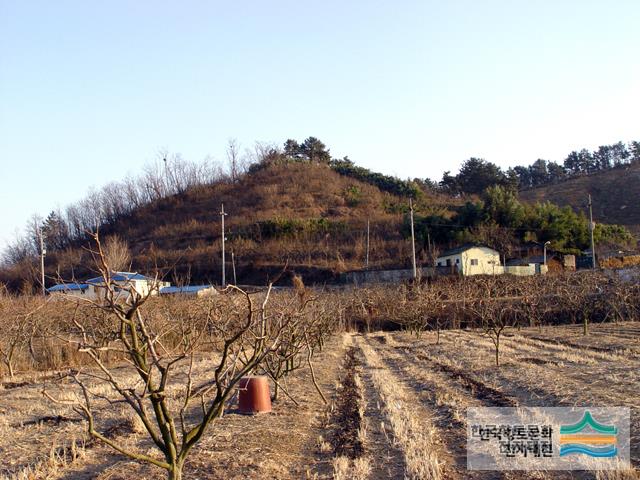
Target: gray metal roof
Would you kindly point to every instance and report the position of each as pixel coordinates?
(463, 248)
(185, 289)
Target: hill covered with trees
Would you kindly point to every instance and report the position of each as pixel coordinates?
(477, 174)
(295, 205)
(615, 194)
(610, 173)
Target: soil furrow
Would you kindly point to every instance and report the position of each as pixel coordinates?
(449, 390)
(446, 418)
(386, 458)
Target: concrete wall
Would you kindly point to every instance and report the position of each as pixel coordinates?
(522, 270)
(384, 276)
(569, 262)
(396, 276)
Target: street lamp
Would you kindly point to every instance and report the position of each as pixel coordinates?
(545, 252)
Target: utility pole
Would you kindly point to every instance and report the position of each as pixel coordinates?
(222, 215)
(413, 241)
(544, 249)
(366, 262)
(43, 252)
(233, 265)
(591, 229)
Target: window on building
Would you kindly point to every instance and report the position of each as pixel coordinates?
(474, 261)
(457, 261)
(439, 264)
(448, 262)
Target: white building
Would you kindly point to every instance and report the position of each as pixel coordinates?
(190, 290)
(123, 282)
(128, 282)
(472, 259)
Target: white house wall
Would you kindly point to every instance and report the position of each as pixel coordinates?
(488, 261)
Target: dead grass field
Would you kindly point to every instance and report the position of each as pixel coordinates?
(396, 409)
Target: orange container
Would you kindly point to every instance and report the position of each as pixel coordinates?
(254, 395)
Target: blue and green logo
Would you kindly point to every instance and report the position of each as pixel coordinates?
(589, 438)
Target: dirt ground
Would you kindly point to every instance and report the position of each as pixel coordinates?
(396, 409)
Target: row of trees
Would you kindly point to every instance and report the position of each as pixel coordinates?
(497, 303)
(166, 176)
(477, 174)
(309, 150)
(386, 183)
(499, 215)
(315, 151)
(175, 363)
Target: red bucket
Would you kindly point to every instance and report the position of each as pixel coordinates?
(254, 396)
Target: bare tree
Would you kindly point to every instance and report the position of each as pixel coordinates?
(307, 328)
(17, 334)
(493, 323)
(160, 350)
(495, 315)
(233, 159)
(116, 253)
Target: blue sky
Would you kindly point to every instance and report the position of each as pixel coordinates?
(90, 91)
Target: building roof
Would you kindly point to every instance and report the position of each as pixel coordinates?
(120, 277)
(185, 289)
(67, 287)
(464, 248)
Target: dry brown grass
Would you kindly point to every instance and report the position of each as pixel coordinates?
(280, 445)
(534, 373)
(410, 427)
(410, 402)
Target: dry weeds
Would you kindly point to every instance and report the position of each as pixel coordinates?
(410, 426)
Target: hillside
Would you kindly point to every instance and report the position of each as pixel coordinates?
(311, 216)
(615, 195)
(306, 215)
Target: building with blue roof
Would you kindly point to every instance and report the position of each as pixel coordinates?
(123, 282)
(119, 277)
(78, 289)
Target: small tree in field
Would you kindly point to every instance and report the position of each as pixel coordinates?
(158, 348)
(494, 318)
(288, 356)
(18, 334)
(582, 297)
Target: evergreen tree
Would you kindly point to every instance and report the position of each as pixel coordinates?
(315, 151)
(55, 231)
